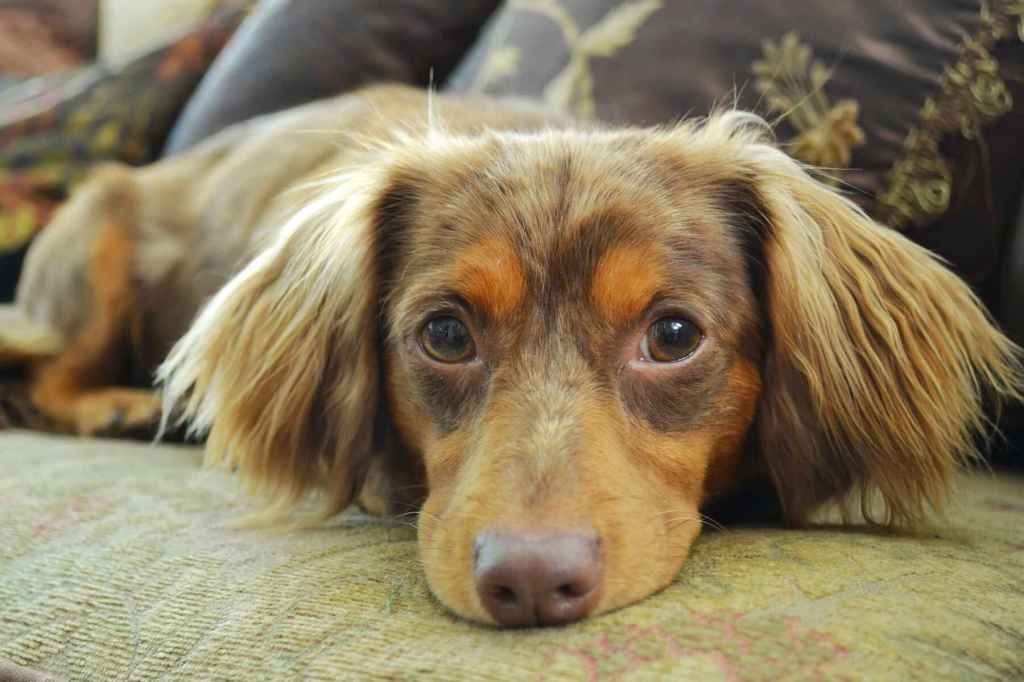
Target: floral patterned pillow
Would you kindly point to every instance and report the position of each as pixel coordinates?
(915, 107)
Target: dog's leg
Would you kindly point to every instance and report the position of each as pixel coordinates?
(75, 388)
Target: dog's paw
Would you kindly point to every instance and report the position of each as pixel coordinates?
(23, 340)
(117, 412)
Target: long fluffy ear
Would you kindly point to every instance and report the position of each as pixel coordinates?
(280, 368)
(881, 361)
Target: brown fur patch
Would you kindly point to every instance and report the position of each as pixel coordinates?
(75, 388)
(624, 281)
(726, 454)
(490, 276)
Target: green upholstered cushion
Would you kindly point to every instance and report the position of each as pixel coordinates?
(116, 563)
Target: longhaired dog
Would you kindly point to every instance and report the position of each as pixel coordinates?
(558, 341)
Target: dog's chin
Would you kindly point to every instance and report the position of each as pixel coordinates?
(637, 563)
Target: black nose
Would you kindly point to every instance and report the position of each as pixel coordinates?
(546, 577)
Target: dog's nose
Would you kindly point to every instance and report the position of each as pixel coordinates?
(546, 577)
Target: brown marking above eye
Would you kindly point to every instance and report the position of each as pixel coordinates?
(490, 276)
(624, 282)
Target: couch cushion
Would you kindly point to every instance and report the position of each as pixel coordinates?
(292, 51)
(116, 562)
(915, 106)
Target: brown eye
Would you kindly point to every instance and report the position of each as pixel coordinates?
(446, 339)
(671, 339)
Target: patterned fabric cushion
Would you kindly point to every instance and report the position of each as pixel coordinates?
(117, 562)
(52, 133)
(913, 105)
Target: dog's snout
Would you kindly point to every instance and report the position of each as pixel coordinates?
(545, 577)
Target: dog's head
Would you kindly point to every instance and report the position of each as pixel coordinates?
(574, 340)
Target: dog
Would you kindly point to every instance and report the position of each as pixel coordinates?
(558, 341)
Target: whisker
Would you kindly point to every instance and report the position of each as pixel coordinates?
(714, 524)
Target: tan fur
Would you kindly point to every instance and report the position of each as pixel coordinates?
(837, 356)
(25, 341)
(280, 366)
(491, 277)
(624, 281)
(725, 459)
(880, 344)
(74, 386)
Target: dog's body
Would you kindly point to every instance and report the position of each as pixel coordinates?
(562, 341)
(175, 232)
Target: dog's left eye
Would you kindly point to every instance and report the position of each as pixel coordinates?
(670, 339)
(446, 339)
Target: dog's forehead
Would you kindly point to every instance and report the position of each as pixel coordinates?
(602, 218)
(546, 186)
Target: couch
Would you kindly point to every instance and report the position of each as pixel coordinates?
(119, 560)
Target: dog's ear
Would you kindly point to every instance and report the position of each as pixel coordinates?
(880, 361)
(280, 369)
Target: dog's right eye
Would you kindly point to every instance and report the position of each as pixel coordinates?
(446, 339)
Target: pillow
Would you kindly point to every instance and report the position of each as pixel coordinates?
(914, 106)
(288, 53)
(53, 130)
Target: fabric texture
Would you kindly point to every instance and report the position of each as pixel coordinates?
(117, 563)
(15, 673)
